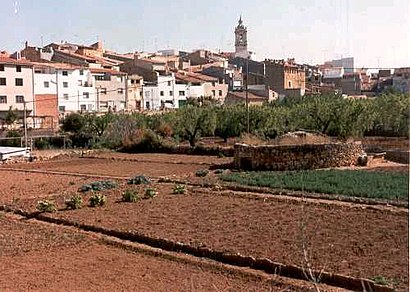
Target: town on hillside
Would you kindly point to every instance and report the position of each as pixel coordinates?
(60, 78)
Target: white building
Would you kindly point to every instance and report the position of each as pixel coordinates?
(75, 90)
(16, 86)
(165, 93)
(73, 86)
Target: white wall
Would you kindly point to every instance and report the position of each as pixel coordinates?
(75, 91)
(11, 90)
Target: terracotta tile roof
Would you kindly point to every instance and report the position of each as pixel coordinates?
(11, 61)
(241, 95)
(102, 70)
(57, 65)
(78, 56)
(194, 77)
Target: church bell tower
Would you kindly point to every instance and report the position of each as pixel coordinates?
(241, 40)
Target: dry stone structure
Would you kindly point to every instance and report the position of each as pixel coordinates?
(296, 157)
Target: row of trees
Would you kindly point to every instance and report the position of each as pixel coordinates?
(387, 115)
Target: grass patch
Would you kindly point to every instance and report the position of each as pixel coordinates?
(354, 183)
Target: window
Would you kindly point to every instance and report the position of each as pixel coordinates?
(65, 73)
(220, 92)
(169, 83)
(61, 108)
(213, 92)
(171, 93)
(83, 107)
(3, 99)
(103, 90)
(81, 72)
(65, 96)
(1, 67)
(99, 77)
(290, 84)
(161, 93)
(86, 95)
(181, 93)
(2, 81)
(80, 83)
(19, 81)
(147, 105)
(120, 91)
(65, 84)
(46, 84)
(18, 68)
(19, 99)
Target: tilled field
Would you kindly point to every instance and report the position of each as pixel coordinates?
(39, 257)
(343, 238)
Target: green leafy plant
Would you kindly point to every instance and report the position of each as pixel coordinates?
(97, 200)
(46, 206)
(98, 186)
(75, 202)
(380, 280)
(150, 193)
(202, 172)
(138, 180)
(130, 196)
(179, 189)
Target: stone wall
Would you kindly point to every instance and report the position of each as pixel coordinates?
(296, 157)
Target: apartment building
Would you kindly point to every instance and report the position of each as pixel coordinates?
(73, 85)
(16, 86)
(111, 90)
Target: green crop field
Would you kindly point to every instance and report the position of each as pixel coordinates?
(393, 186)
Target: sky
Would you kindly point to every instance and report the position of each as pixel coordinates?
(375, 32)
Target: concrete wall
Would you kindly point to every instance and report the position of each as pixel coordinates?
(296, 157)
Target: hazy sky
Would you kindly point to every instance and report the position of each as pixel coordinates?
(375, 32)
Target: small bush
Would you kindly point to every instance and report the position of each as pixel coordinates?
(202, 172)
(380, 280)
(130, 196)
(150, 193)
(98, 186)
(179, 189)
(219, 171)
(139, 180)
(97, 200)
(46, 206)
(75, 202)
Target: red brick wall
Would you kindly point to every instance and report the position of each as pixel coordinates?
(46, 105)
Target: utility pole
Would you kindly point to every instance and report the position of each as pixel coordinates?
(246, 95)
(25, 124)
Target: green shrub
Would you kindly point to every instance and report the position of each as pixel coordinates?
(139, 180)
(130, 196)
(97, 200)
(150, 193)
(98, 186)
(202, 172)
(380, 280)
(75, 202)
(46, 206)
(179, 189)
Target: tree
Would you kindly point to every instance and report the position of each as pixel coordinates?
(11, 116)
(194, 122)
(231, 121)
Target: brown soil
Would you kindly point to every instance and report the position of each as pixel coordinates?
(39, 257)
(341, 238)
(115, 167)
